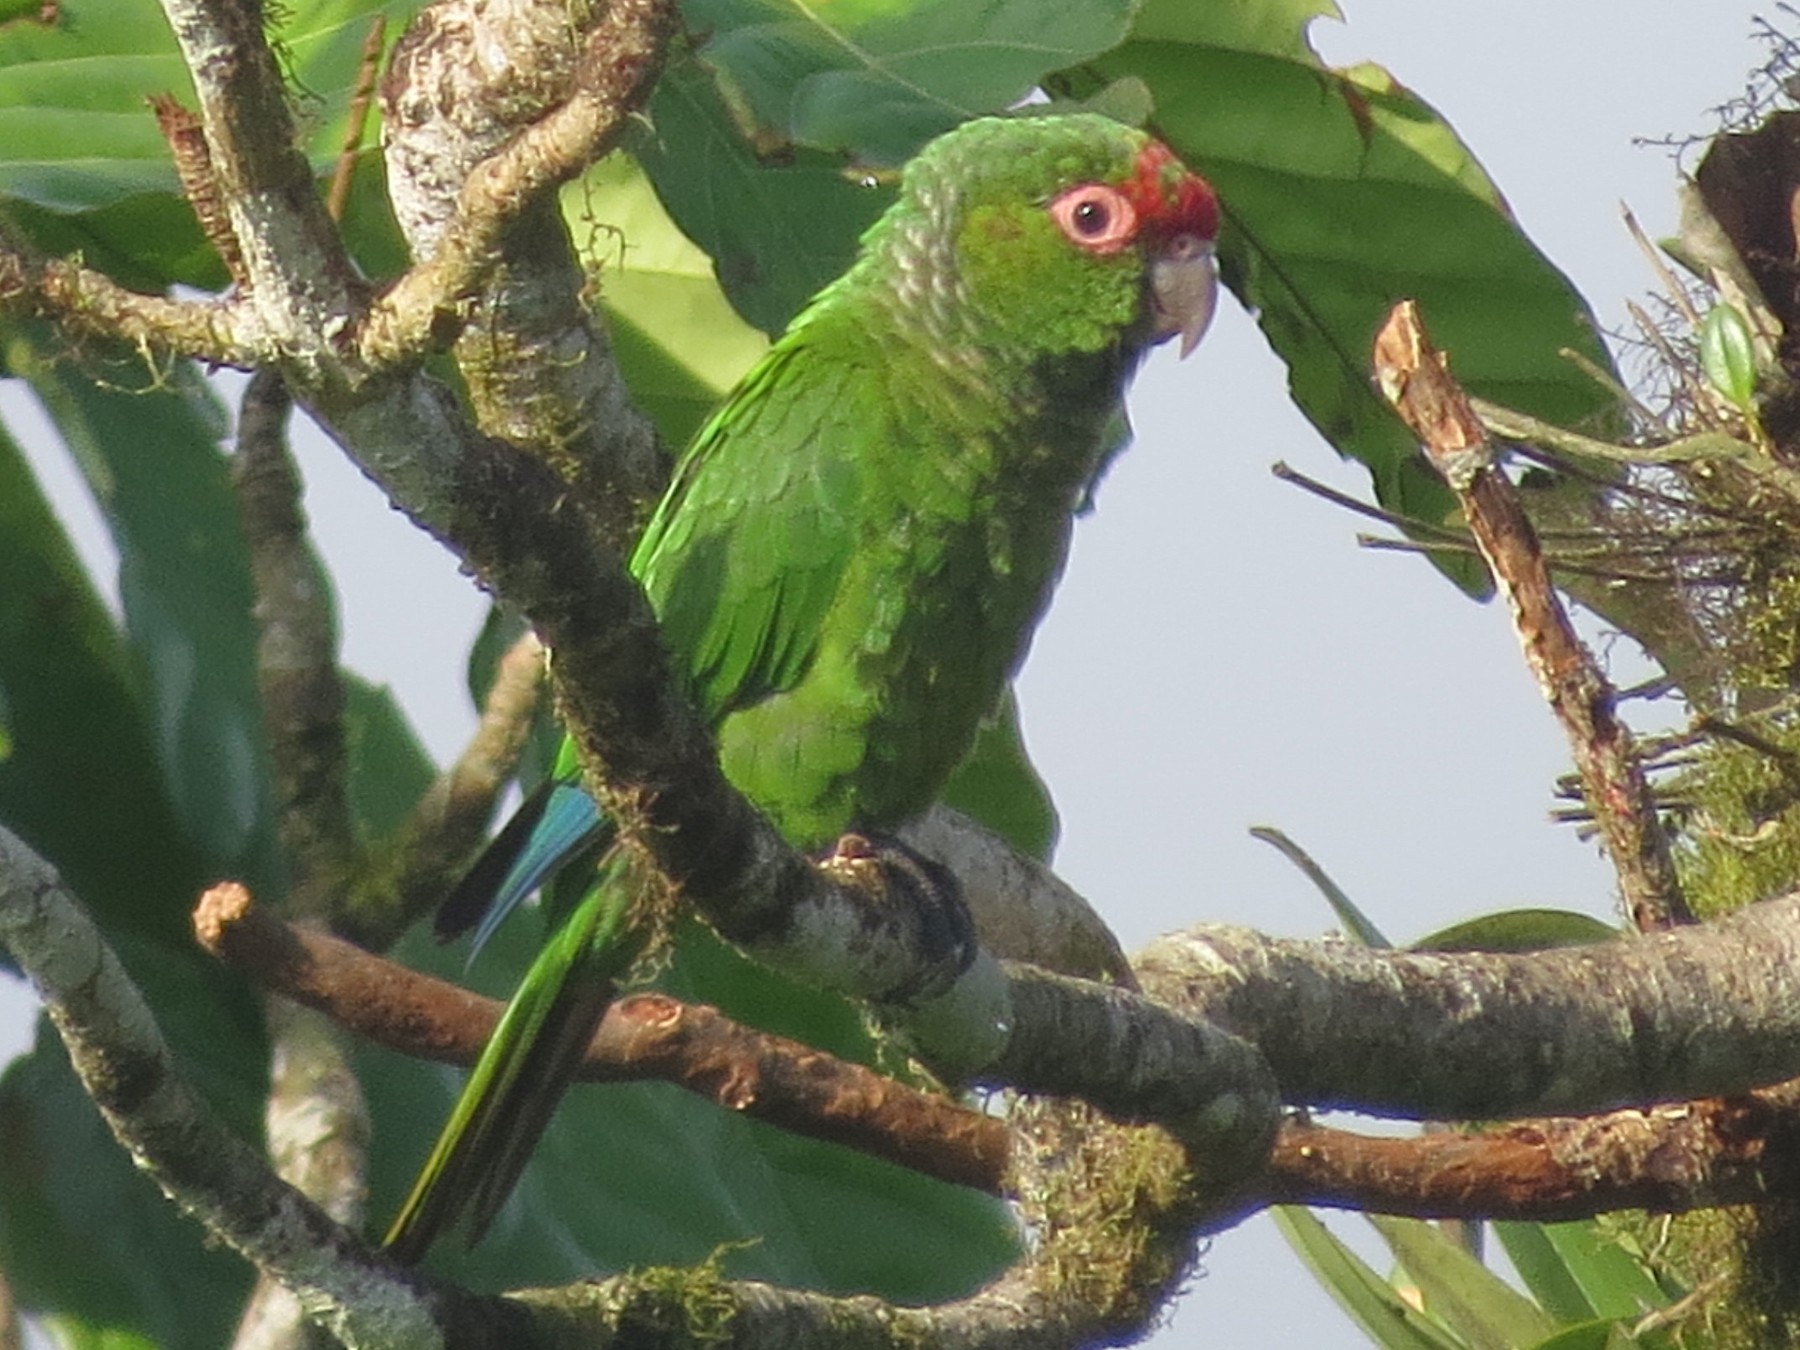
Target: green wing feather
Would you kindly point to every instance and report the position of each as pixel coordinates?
(749, 548)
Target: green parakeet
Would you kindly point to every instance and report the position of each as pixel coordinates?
(854, 550)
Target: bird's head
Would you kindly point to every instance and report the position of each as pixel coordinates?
(1064, 232)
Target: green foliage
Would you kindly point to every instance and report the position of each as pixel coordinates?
(1518, 930)
(1343, 192)
(878, 80)
(1586, 1291)
(1739, 838)
(83, 168)
(1728, 354)
(130, 747)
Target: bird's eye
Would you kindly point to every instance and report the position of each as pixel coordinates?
(1095, 217)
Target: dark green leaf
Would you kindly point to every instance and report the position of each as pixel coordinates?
(998, 785)
(776, 232)
(85, 1233)
(148, 444)
(876, 80)
(1518, 930)
(1343, 193)
(83, 785)
(80, 744)
(1372, 1303)
(388, 768)
(1483, 1308)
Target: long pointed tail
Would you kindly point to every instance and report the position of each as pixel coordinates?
(521, 1075)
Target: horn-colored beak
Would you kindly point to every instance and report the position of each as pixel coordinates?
(1184, 285)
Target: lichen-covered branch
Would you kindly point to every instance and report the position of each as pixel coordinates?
(297, 677)
(125, 1065)
(1694, 1012)
(86, 303)
(475, 150)
(299, 282)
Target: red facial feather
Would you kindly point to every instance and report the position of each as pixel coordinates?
(1168, 197)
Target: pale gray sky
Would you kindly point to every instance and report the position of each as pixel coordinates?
(1220, 653)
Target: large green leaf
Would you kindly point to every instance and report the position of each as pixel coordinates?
(679, 343)
(777, 232)
(876, 78)
(79, 743)
(1583, 1267)
(1343, 192)
(760, 137)
(148, 444)
(1545, 1272)
(388, 768)
(83, 786)
(82, 164)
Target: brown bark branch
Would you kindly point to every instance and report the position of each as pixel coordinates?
(1667, 1159)
(1415, 378)
(643, 1036)
(193, 168)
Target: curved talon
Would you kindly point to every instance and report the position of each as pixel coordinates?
(899, 879)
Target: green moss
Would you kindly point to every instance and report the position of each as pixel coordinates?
(1740, 837)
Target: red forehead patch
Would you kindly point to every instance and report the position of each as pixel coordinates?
(1168, 197)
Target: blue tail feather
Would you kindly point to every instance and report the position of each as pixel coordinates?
(554, 824)
(570, 822)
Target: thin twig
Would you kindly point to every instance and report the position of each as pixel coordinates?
(193, 168)
(1415, 378)
(1411, 524)
(1678, 295)
(1603, 377)
(367, 71)
(409, 873)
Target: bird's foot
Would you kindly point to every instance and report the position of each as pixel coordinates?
(901, 883)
